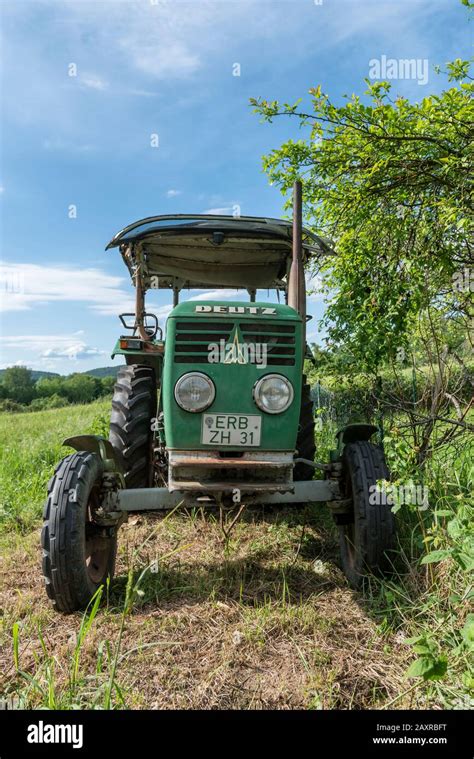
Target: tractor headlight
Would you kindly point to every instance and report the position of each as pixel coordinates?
(194, 392)
(273, 393)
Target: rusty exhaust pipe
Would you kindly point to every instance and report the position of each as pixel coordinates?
(296, 279)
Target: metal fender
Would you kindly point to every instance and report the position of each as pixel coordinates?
(99, 445)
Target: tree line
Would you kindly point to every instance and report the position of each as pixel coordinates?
(19, 391)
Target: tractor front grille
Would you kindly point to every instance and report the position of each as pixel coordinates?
(193, 338)
(279, 339)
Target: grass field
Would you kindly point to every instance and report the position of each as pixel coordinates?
(266, 620)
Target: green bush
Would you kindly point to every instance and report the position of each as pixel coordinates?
(52, 401)
(12, 406)
(18, 384)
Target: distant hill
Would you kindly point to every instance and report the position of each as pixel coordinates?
(35, 374)
(101, 371)
(104, 371)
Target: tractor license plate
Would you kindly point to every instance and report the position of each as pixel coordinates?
(231, 429)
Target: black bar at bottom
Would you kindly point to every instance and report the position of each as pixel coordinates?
(370, 733)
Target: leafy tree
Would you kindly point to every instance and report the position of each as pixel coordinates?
(81, 388)
(391, 183)
(18, 384)
(107, 385)
(47, 386)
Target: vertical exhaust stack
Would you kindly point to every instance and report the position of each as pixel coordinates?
(134, 256)
(296, 279)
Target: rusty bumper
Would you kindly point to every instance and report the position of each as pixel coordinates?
(248, 471)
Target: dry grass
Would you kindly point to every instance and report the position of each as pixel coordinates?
(264, 622)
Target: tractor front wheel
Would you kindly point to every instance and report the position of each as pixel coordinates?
(78, 554)
(367, 531)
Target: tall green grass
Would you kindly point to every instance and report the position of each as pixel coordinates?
(427, 601)
(30, 449)
(429, 598)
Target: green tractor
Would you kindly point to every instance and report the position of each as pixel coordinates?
(219, 412)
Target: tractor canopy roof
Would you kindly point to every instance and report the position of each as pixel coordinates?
(209, 250)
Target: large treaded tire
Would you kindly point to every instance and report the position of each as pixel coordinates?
(78, 555)
(305, 444)
(368, 535)
(133, 408)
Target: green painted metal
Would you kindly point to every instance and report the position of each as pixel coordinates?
(234, 382)
(352, 433)
(99, 445)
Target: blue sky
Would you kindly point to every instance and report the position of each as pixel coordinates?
(153, 67)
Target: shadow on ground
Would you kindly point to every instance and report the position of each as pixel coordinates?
(251, 574)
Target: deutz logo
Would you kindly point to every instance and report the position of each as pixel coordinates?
(236, 352)
(235, 310)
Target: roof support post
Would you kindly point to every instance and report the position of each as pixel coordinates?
(139, 297)
(140, 309)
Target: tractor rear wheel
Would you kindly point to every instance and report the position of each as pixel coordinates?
(305, 444)
(367, 532)
(78, 554)
(131, 434)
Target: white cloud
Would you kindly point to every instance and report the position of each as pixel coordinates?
(140, 93)
(128, 46)
(173, 193)
(38, 342)
(75, 351)
(26, 286)
(174, 59)
(93, 82)
(314, 287)
(161, 312)
(67, 146)
(223, 211)
(224, 294)
(47, 351)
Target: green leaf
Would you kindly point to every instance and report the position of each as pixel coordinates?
(454, 528)
(436, 556)
(420, 667)
(438, 670)
(416, 639)
(422, 648)
(468, 632)
(428, 667)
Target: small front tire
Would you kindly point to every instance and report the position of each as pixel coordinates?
(78, 554)
(367, 534)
